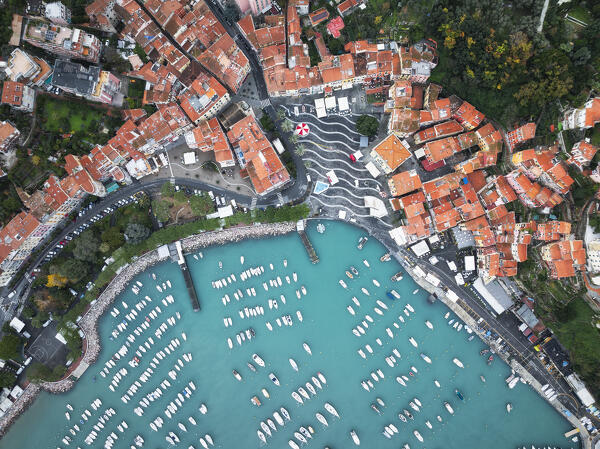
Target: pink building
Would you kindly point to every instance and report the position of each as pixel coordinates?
(256, 6)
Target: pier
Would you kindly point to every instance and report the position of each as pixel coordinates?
(177, 256)
(300, 226)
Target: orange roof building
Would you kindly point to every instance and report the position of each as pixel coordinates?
(390, 153)
(582, 154)
(438, 150)
(208, 136)
(404, 182)
(257, 157)
(468, 116)
(18, 95)
(445, 129)
(489, 138)
(8, 136)
(583, 118)
(318, 16)
(552, 230)
(204, 99)
(564, 258)
(521, 134)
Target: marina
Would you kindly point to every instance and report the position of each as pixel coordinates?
(183, 372)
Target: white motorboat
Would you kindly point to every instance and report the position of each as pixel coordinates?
(299, 315)
(509, 407)
(365, 291)
(322, 378)
(354, 437)
(418, 436)
(428, 324)
(437, 384)
(355, 332)
(449, 408)
(203, 409)
(192, 420)
(426, 358)
(415, 291)
(182, 427)
(316, 382)
(414, 406)
(265, 393)
(279, 420)
(351, 310)
(307, 348)
(310, 388)
(303, 288)
(376, 283)
(69, 407)
(300, 437)
(401, 381)
(285, 413)
(389, 332)
(261, 436)
(242, 260)
(366, 262)
(293, 444)
(295, 277)
(274, 379)
(458, 363)
(305, 432)
(294, 364)
(321, 419)
(362, 353)
(331, 409)
(413, 342)
(203, 443)
(343, 284)
(258, 360)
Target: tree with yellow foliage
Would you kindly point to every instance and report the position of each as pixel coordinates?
(56, 280)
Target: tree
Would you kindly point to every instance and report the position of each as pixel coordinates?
(300, 150)
(367, 125)
(136, 233)
(161, 210)
(9, 347)
(286, 125)
(7, 379)
(56, 280)
(114, 237)
(201, 204)
(73, 270)
(86, 247)
(35, 160)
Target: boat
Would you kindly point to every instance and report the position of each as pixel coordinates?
(437, 384)
(182, 427)
(322, 378)
(355, 437)
(408, 414)
(366, 262)
(303, 392)
(192, 420)
(426, 358)
(459, 394)
(293, 444)
(482, 378)
(402, 418)
(294, 364)
(317, 383)
(251, 366)
(255, 401)
(310, 388)
(261, 436)
(351, 310)
(300, 437)
(490, 359)
(237, 375)
(458, 362)
(414, 406)
(385, 258)
(365, 291)
(343, 284)
(297, 397)
(203, 409)
(285, 413)
(322, 419)
(362, 241)
(69, 407)
(413, 342)
(279, 420)
(242, 260)
(258, 360)
(509, 407)
(274, 379)
(401, 381)
(428, 324)
(397, 277)
(449, 408)
(349, 274)
(331, 409)
(354, 270)
(375, 409)
(265, 393)
(418, 436)
(68, 415)
(415, 291)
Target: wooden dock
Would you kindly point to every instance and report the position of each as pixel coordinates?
(177, 256)
(306, 242)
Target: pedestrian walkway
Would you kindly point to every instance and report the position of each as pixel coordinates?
(280, 198)
(253, 203)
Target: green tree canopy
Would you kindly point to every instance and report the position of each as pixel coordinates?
(9, 347)
(136, 233)
(367, 125)
(86, 247)
(114, 237)
(201, 204)
(7, 379)
(73, 269)
(167, 189)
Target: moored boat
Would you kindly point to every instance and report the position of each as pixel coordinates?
(274, 379)
(294, 364)
(355, 438)
(362, 241)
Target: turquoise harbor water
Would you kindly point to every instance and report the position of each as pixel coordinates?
(232, 420)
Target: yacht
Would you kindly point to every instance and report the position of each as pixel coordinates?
(354, 270)
(418, 436)
(331, 409)
(310, 388)
(258, 360)
(362, 241)
(322, 419)
(402, 417)
(297, 397)
(261, 436)
(237, 375)
(294, 364)
(343, 284)
(285, 413)
(408, 414)
(300, 437)
(458, 362)
(305, 432)
(293, 444)
(303, 392)
(316, 382)
(355, 437)
(509, 407)
(322, 378)
(449, 408)
(274, 379)
(426, 358)
(366, 262)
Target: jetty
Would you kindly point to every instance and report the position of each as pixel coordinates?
(176, 254)
(300, 227)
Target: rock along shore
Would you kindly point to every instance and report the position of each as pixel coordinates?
(89, 322)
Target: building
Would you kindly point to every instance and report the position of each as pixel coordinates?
(521, 134)
(445, 129)
(404, 182)
(257, 157)
(63, 41)
(438, 150)
(468, 116)
(347, 7)
(582, 154)
(102, 15)
(257, 7)
(204, 98)
(318, 16)
(583, 118)
(18, 96)
(564, 258)
(334, 26)
(593, 256)
(90, 83)
(57, 13)
(20, 66)
(551, 230)
(8, 136)
(208, 136)
(390, 153)
(14, 242)
(302, 6)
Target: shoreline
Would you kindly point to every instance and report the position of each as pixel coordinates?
(89, 321)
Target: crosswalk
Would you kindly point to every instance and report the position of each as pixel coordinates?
(280, 198)
(266, 102)
(253, 203)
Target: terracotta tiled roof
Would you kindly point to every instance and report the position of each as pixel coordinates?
(14, 233)
(441, 149)
(404, 182)
(392, 151)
